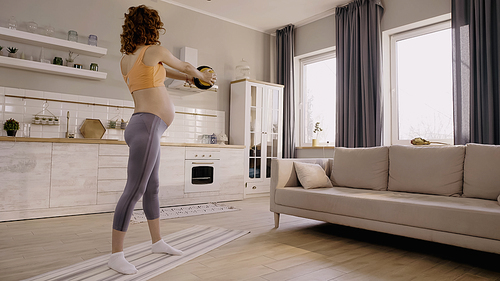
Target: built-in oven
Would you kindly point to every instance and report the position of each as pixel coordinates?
(202, 170)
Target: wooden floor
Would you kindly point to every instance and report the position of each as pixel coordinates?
(300, 249)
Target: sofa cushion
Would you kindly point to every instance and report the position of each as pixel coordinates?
(311, 175)
(360, 167)
(468, 216)
(482, 171)
(426, 169)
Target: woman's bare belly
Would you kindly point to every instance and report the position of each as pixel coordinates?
(155, 101)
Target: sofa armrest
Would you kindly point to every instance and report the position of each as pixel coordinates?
(283, 173)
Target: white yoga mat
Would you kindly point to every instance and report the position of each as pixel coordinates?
(194, 242)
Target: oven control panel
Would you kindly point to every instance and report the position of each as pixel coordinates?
(202, 154)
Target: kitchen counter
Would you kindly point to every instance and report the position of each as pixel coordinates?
(107, 141)
(44, 177)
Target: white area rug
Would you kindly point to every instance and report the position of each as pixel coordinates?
(194, 242)
(184, 211)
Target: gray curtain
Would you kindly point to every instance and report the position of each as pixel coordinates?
(359, 102)
(476, 76)
(285, 53)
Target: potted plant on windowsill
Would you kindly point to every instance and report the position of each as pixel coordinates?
(317, 129)
(11, 126)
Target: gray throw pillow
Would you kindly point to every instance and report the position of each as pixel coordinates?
(360, 167)
(482, 171)
(426, 169)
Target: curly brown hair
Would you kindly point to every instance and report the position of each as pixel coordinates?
(141, 26)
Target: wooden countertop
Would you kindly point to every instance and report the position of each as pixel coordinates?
(106, 141)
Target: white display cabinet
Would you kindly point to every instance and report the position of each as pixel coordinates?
(256, 122)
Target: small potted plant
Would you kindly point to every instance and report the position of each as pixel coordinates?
(317, 129)
(56, 121)
(37, 120)
(1, 53)
(11, 126)
(44, 121)
(70, 61)
(12, 52)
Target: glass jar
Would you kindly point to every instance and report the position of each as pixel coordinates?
(12, 23)
(94, 66)
(32, 26)
(49, 31)
(72, 36)
(92, 40)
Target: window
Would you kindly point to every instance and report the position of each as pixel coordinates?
(421, 83)
(317, 98)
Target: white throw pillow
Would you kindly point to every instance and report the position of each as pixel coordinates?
(311, 175)
(482, 171)
(361, 167)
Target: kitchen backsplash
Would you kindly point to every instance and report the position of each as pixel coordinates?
(189, 125)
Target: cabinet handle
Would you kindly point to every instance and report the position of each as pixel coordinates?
(202, 163)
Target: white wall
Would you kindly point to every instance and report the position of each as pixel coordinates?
(320, 34)
(315, 36)
(220, 45)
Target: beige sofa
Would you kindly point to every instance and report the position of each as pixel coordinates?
(445, 194)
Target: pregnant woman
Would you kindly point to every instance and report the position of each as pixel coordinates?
(143, 71)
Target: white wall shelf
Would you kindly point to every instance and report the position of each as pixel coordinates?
(51, 42)
(51, 68)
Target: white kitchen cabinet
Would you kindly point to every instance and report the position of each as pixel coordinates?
(25, 176)
(256, 122)
(112, 173)
(171, 174)
(46, 179)
(231, 171)
(55, 44)
(73, 175)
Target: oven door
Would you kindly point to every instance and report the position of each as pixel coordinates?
(201, 176)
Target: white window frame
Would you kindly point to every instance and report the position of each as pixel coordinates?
(300, 62)
(389, 38)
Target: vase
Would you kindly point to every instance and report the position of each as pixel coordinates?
(315, 142)
(11, 133)
(13, 55)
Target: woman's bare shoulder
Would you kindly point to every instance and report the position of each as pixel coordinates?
(157, 49)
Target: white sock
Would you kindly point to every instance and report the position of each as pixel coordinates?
(118, 262)
(161, 247)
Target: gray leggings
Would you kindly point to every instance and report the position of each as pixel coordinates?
(142, 135)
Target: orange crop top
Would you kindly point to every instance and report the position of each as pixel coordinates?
(143, 76)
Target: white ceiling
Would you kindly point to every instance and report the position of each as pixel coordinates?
(263, 15)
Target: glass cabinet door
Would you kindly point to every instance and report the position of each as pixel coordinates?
(272, 128)
(255, 154)
(264, 130)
